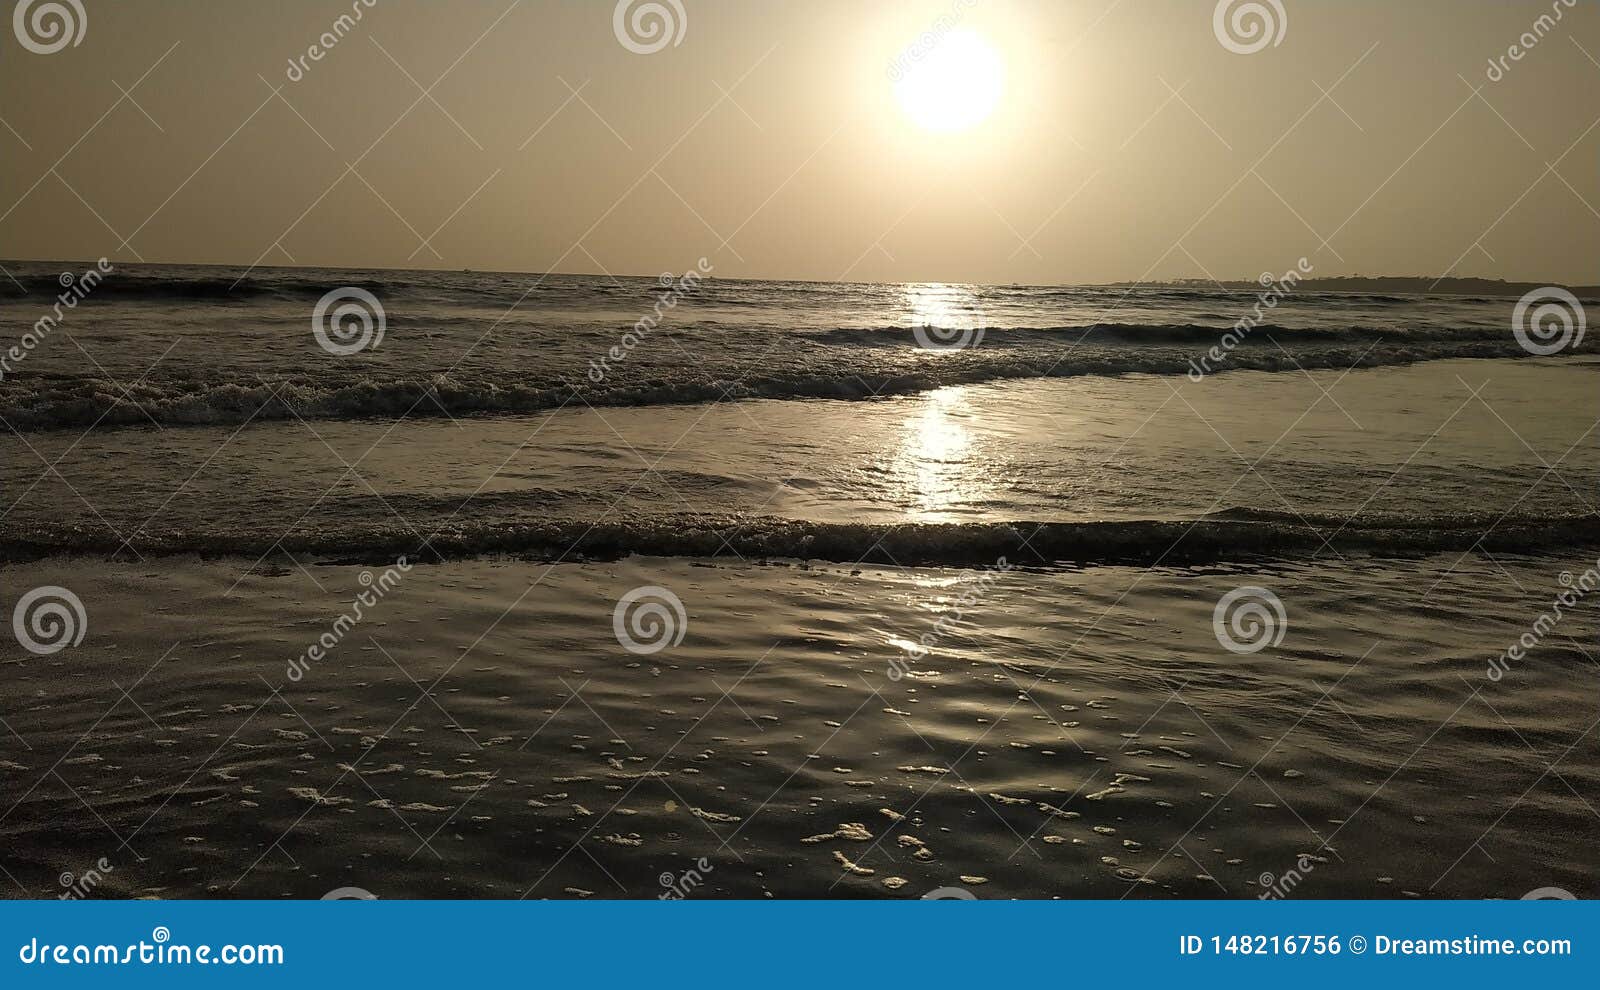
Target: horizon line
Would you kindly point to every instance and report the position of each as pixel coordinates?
(803, 281)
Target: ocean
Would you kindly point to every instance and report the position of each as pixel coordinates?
(501, 585)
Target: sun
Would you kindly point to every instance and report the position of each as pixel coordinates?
(954, 85)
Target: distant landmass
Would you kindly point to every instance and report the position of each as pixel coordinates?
(1393, 284)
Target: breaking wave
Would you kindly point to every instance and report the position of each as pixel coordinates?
(1237, 534)
(48, 401)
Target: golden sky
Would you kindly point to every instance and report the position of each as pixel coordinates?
(1042, 142)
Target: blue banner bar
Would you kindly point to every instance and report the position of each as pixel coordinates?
(799, 944)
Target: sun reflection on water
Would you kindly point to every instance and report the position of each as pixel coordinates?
(935, 457)
(940, 304)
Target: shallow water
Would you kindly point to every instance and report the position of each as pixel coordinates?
(1441, 443)
(481, 733)
(1221, 637)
